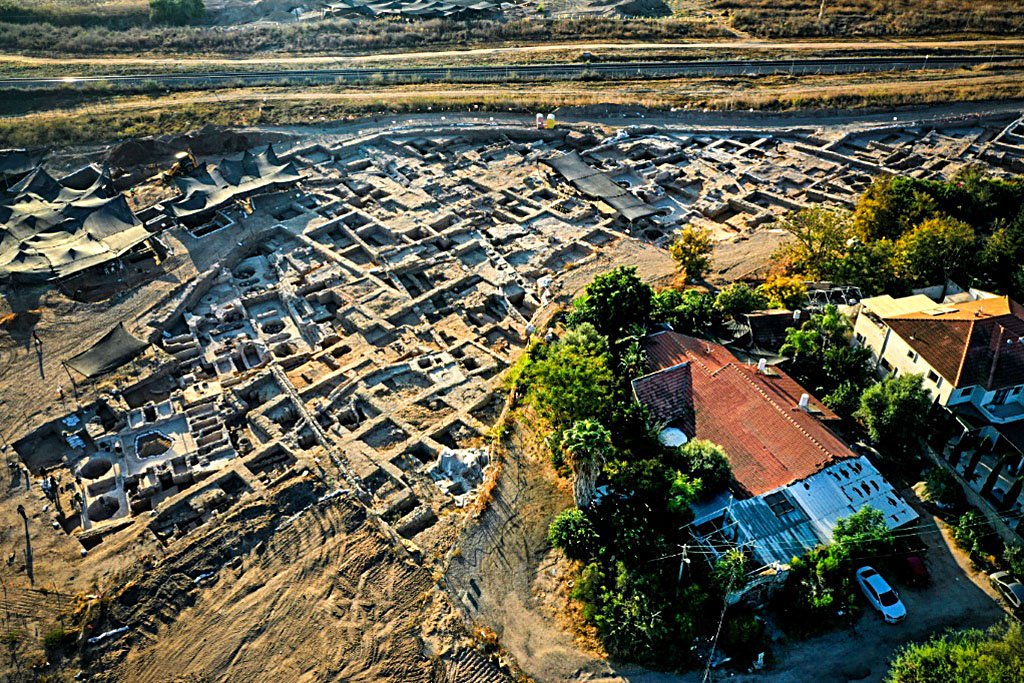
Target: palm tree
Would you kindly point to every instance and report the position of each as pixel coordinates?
(586, 446)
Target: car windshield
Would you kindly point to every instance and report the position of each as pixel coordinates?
(888, 599)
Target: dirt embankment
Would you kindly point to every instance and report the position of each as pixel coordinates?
(297, 587)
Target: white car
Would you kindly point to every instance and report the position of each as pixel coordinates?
(1010, 588)
(881, 595)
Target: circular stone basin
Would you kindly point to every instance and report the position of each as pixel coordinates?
(152, 444)
(95, 468)
(285, 349)
(103, 508)
(273, 327)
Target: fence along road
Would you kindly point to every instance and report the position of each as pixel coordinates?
(524, 72)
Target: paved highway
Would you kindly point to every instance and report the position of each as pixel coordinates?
(485, 74)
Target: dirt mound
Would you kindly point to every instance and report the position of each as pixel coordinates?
(139, 152)
(208, 140)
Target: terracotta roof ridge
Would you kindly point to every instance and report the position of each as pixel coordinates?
(996, 343)
(695, 358)
(785, 413)
(963, 352)
(661, 370)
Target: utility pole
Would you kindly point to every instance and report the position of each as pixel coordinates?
(683, 561)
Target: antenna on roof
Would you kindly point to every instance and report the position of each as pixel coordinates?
(707, 348)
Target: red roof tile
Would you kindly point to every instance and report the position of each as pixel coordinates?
(669, 395)
(755, 417)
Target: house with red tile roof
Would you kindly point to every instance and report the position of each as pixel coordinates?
(970, 353)
(794, 477)
(774, 432)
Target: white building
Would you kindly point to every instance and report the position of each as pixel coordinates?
(971, 353)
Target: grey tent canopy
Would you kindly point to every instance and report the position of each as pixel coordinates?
(15, 164)
(52, 228)
(599, 185)
(116, 348)
(210, 189)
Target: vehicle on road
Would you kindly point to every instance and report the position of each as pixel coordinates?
(915, 571)
(881, 595)
(1010, 587)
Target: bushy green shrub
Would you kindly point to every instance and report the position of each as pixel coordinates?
(895, 412)
(738, 299)
(706, 461)
(973, 534)
(969, 656)
(574, 534)
(614, 303)
(941, 487)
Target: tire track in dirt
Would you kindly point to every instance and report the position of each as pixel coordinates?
(325, 597)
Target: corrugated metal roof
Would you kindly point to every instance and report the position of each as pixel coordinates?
(846, 487)
(773, 538)
(789, 521)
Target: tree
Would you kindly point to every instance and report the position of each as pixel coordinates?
(864, 534)
(586, 446)
(891, 207)
(691, 251)
(974, 535)
(730, 570)
(870, 266)
(1013, 556)
(937, 250)
(569, 379)
(573, 533)
(690, 311)
(706, 461)
(613, 303)
(820, 236)
(738, 299)
(177, 12)
(634, 361)
(844, 399)
(784, 291)
(820, 355)
(1002, 255)
(895, 412)
(969, 656)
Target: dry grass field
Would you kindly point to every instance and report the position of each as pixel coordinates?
(74, 117)
(777, 18)
(108, 27)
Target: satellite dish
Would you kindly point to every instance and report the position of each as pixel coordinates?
(672, 437)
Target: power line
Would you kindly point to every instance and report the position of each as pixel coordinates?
(904, 533)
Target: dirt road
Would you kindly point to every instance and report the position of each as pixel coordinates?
(925, 46)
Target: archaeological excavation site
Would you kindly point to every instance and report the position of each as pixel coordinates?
(255, 382)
